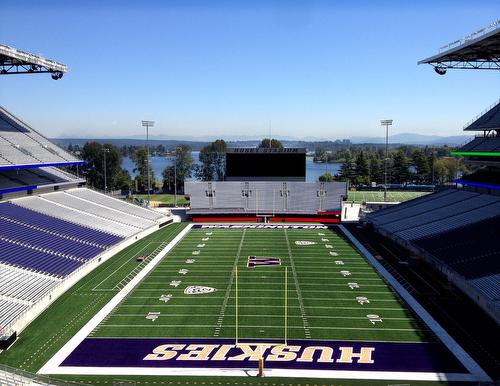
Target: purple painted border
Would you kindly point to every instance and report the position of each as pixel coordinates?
(387, 356)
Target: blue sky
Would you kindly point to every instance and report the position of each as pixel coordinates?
(323, 69)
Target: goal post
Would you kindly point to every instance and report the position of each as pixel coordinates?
(238, 338)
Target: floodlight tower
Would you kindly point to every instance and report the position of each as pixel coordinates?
(105, 150)
(147, 125)
(386, 123)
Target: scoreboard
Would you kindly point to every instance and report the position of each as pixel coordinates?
(266, 164)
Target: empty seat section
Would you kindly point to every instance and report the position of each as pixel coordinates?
(36, 260)
(114, 203)
(57, 226)
(50, 208)
(47, 240)
(24, 285)
(98, 210)
(10, 311)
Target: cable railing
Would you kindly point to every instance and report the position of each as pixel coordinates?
(481, 114)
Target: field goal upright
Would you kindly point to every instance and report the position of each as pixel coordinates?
(241, 341)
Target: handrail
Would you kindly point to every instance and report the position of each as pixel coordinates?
(481, 114)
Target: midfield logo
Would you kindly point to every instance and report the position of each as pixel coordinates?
(262, 261)
(198, 290)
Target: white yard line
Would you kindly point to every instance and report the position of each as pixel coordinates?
(448, 341)
(52, 365)
(220, 319)
(305, 322)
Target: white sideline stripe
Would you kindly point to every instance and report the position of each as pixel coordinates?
(251, 372)
(52, 366)
(448, 341)
(260, 316)
(166, 326)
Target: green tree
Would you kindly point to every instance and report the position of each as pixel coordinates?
(347, 169)
(180, 170)
(212, 165)
(421, 163)
(93, 154)
(140, 158)
(376, 171)
(399, 170)
(362, 169)
(326, 177)
(270, 143)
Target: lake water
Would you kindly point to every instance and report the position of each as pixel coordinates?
(313, 170)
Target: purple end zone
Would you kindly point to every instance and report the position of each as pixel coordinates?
(298, 354)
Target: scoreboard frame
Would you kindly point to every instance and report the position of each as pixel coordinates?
(266, 164)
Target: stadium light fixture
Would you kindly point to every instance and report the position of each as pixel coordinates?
(147, 125)
(105, 150)
(386, 123)
(440, 70)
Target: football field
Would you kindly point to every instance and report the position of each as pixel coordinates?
(321, 304)
(224, 296)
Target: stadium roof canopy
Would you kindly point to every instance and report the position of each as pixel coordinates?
(479, 50)
(13, 61)
(489, 120)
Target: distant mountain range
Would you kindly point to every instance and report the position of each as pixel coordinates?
(197, 143)
(415, 139)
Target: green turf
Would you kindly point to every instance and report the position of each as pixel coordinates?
(165, 198)
(378, 196)
(317, 292)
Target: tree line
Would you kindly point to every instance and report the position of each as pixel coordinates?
(360, 165)
(364, 165)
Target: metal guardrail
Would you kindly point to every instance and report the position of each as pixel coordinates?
(481, 114)
(474, 35)
(10, 376)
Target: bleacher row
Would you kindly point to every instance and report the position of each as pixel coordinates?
(43, 239)
(486, 144)
(436, 213)
(21, 145)
(458, 228)
(18, 178)
(269, 196)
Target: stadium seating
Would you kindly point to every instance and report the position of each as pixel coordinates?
(458, 229)
(488, 144)
(265, 197)
(110, 202)
(86, 206)
(39, 204)
(24, 285)
(10, 311)
(21, 145)
(19, 178)
(471, 250)
(54, 226)
(43, 241)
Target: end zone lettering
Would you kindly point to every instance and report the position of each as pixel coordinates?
(252, 352)
(222, 353)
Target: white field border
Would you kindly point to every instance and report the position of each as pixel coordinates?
(464, 358)
(53, 366)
